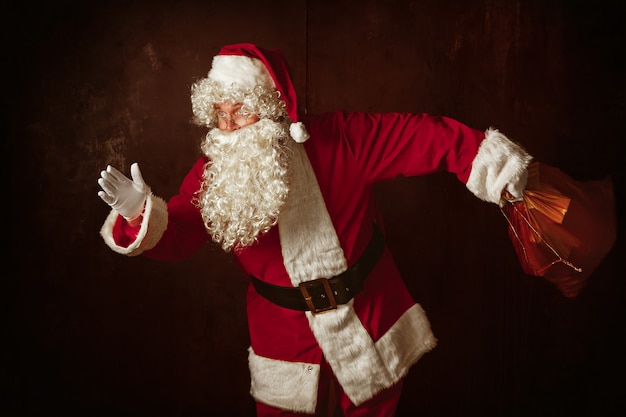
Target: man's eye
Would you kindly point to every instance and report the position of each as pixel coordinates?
(221, 114)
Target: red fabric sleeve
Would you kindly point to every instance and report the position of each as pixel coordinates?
(123, 233)
(185, 232)
(390, 144)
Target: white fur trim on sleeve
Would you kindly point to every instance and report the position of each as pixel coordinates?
(499, 161)
(153, 225)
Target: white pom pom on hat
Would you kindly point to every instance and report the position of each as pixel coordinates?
(248, 65)
(298, 132)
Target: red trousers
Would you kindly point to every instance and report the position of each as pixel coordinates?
(331, 399)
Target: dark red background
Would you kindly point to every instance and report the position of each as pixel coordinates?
(90, 332)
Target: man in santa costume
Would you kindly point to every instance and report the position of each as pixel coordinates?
(291, 197)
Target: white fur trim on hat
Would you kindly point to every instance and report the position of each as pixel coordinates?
(243, 71)
(298, 132)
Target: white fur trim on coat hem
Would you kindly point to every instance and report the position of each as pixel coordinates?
(153, 225)
(286, 385)
(499, 162)
(363, 367)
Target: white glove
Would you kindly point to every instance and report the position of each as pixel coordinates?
(516, 187)
(123, 195)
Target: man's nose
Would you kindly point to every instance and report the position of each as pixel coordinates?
(230, 123)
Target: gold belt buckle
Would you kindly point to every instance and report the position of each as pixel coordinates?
(305, 289)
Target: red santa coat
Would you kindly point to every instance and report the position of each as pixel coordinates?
(372, 342)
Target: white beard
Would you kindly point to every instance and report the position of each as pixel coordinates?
(245, 182)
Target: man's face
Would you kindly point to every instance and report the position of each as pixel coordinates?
(233, 116)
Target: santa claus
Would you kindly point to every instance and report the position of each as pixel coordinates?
(290, 196)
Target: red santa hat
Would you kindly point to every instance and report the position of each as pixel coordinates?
(247, 65)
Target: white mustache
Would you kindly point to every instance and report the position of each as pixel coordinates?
(222, 138)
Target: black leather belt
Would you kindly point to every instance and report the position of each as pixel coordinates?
(325, 294)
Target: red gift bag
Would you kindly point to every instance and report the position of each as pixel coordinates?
(563, 228)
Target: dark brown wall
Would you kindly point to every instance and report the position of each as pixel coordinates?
(90, 332)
